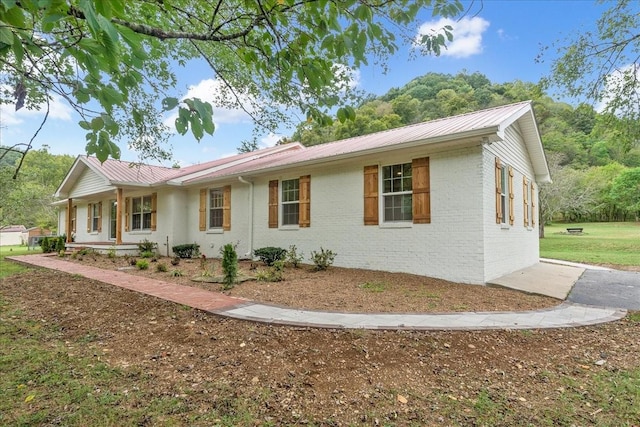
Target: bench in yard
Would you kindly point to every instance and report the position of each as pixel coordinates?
(574, 230)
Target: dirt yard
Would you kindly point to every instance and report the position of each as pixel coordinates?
(337, 289)
(301, 376)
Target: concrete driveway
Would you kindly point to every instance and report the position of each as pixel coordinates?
(607, 288)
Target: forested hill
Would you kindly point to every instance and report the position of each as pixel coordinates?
(593, 161)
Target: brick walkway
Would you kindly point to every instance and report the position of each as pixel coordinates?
(564, 315)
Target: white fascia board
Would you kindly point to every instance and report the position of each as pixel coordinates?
(182, 179)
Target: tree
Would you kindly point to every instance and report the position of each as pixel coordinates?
(626, 191)
(603, 66)
(114, 61)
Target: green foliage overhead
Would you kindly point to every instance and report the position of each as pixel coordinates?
(603, 65)
(114, 61)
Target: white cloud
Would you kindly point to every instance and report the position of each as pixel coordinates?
(620, 84)
(58, 109)
(467, 35)
(270, 140)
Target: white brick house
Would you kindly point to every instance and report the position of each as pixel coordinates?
(454, 198)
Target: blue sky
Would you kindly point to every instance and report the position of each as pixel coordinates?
(501, 41)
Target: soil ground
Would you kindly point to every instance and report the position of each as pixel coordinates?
(337, 289)
(302, 376)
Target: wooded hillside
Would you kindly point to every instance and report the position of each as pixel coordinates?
(595, 164)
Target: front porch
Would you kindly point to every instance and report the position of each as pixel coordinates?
(121, 249)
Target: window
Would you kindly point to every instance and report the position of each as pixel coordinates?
(290, 201)
(94, 217)
(141, 213)
(74, 214)
(503, 195)
(397, 192)
(216, 205)
(406, 193)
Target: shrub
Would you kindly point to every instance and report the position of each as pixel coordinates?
(275, 273)
(147, 246)
(293, 257)
(142, 264)
(323, 259)
(161, 267)
(175, 260)
(229, 265)
(133, 261)
(111, 253)
(189, 250)
(45, 245)
(270, 254)
(147, 254)
(60, 244)
(176, 273)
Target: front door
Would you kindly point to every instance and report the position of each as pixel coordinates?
(112, 219)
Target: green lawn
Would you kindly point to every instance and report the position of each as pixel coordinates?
(601, 243)
(9, 268)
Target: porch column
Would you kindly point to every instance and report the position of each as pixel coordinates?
(119, 202)
(67, 222)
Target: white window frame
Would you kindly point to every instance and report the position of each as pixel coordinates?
(504, 195)
(390, 194)
(219, 196)
(285, 204)
(143, 213)
(95, 217)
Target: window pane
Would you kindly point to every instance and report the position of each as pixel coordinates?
(216, 198)
(147, 204)
(398, 207)
(136, 205)
(386, 172)
(136, 221)
(386, 186)
(290, 190)
(407, 184)
(146, 220)
(215, 218)
(290, 214)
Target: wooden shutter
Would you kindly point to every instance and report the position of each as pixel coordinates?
(74, 219)
(226, 208)
(273, 204)
(304, 217)
(127, 211)
(421, 191)
(89, 210)
(498, 191)
(525, 200)
(371, 216)
(202, 214)
(99, 217)
(511, 197)
(154, 210)
(533, 206)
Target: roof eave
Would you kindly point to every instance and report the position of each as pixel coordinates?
(467, 138)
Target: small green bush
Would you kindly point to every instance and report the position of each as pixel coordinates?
(142, 264)
(45, 244)
(323, 259)
(229, 265)
(111, 253)
(176, 273)
(147, 254)
(161, 267)
(147, 246)
(60, 243)
(270, 254)
(275, 273)
(293, 258)
(189, 250)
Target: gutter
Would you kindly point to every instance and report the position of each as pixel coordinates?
(250, 236)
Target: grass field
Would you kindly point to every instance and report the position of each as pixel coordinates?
(9, 268)
(616, 243)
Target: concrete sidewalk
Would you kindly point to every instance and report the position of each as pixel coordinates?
(564, 315)
(545, 278)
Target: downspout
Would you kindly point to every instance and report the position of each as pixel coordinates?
(250, 236)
